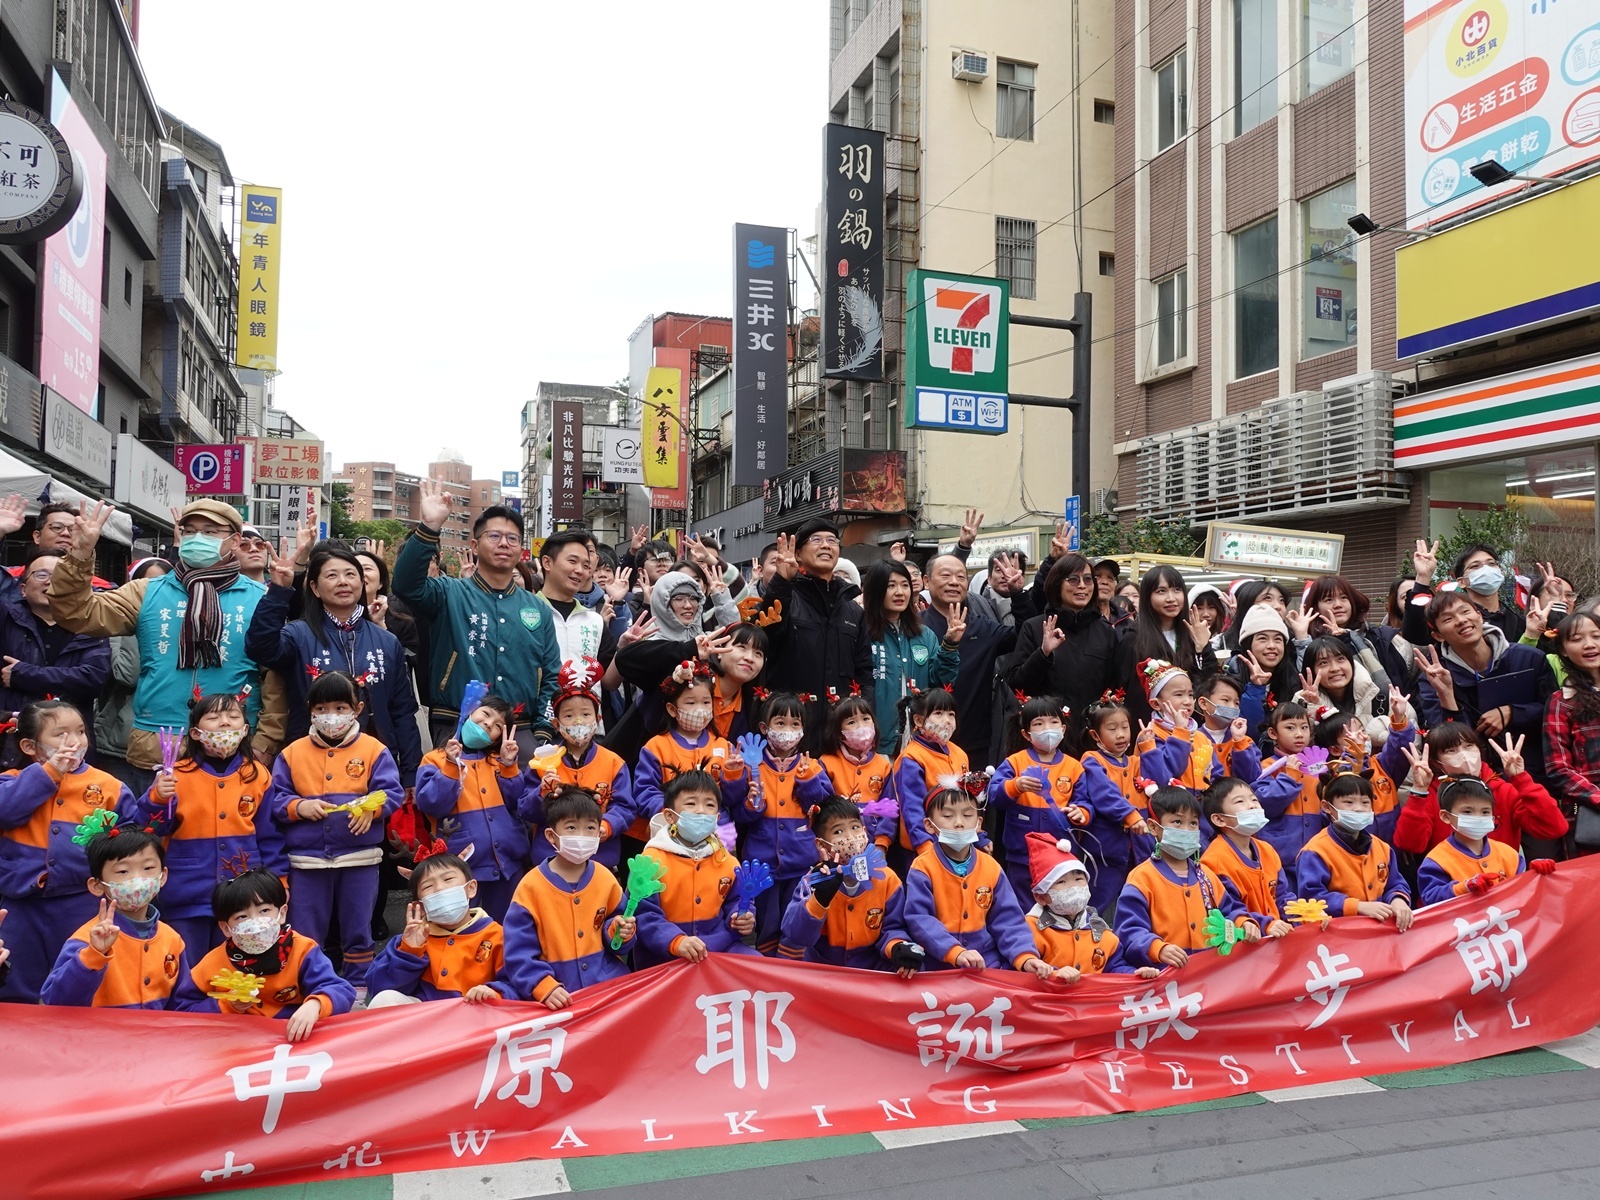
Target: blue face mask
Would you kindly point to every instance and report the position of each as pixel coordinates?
(1180, 843)
(694, 828)
(474, 736)
(200, 550)
(957, 838)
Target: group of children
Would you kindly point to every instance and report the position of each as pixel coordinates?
(1153, 846)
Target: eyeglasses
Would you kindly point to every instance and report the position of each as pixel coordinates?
(250, 539)
(58, 527)
(496, 538)
(823, 540)
(216, 531)
(1081, 580)
(41, 576)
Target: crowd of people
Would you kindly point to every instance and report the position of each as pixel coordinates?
(642, 753)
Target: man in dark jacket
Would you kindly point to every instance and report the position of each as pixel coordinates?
(43, 659)
(821, 641)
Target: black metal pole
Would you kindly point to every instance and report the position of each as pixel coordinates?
(1082, 379)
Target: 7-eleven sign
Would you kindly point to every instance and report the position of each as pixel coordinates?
(957, 333)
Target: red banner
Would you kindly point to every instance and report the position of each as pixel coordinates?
(744, 1049)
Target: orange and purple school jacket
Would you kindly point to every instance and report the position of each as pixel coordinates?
(1050, 811)
(310, 770)
(951, 907)
(475, 803)
(1185, 758)
(864, 783)
(697, 880)
(1444, 873)
(1294, 812)
(1259, 882)
(559, 933)
(147, 968)
(221, 831)
(1343, 873)
(663, 759)
(306, 974)
(40, 810)
(450, 964)
(853, 930)
(1109, 789)
(1159, 908)
(1084, 941)
(604, 776)
(922, 768)
(778, 832)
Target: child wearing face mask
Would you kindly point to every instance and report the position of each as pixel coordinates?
(583, 763)
(449, 950)
(41, 869)
(688, 745)
(929, 761)
(126, 956)
(687, 919)
(1118, 833)
(335, 852)
(1248, 867)
(1161, 914)
(1034, 787)
(775, 788)
(1067, 931)
(959, 906)
(1287, 790)
(476, 794)
(299, 985)
(213, 801)
(1345, 866)
(1217, 701)
(1345, 738)
(1522, 806)
(841, 918)
(857, 770)
(1468, 862)
(566, 911)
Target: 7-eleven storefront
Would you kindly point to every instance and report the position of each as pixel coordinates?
(1526, 441)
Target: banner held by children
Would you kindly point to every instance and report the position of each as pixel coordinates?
(739, 1049)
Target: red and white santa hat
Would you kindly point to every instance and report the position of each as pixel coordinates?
(578, 677)
(1155, 674)
(1049, 860)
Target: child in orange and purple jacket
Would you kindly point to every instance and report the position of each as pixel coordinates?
(583, 763)
(856, 768)
(472, 789)
(41, 869)
(1217, 701)
(449, 949)
(1469, 861)
(566, 911)
(1248, 867)
(1287, 792)
(1111, 788)
(688, 918)
(688, 745)
(771, 807)
(219, 827)
(1034, 788)
(127, 957)
(1345, 866)
(930, 761)
(1067, 931)
(298, 984)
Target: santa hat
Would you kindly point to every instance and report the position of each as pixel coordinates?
(1262, 619)
(1205, 589)
(578, 677)
(1155, 674)
(1049, 860)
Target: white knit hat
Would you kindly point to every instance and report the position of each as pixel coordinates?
(1262, 619)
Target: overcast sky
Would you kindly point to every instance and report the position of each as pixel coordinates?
(481, 196)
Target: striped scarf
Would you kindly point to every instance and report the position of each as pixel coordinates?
(199, 641)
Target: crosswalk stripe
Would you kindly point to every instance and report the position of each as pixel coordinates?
(899, 1139)
(1585, 1048)
(1316, 1091)
(499, 1181)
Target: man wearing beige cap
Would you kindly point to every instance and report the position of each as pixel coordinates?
(190, 623)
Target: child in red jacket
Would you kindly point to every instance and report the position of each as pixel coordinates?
(1522, 807)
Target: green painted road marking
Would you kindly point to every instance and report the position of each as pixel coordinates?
(622, 1170)
(1533, 1061)
(371, 1187)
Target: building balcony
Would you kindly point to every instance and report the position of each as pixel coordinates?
(1312, 452)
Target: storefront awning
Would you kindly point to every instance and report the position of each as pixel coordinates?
(21, 478)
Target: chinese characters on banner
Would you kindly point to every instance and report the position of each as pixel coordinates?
(751, 1049)
(852, 253)
(566, 458)
(69, 284)
(211, 470)
(260, 246)
(760, 353)
(290, 460)
(662, 462)
(674, 495)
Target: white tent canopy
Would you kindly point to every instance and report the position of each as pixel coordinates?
(20, 478)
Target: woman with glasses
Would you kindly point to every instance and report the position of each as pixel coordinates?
(1070, 651)
(907, 656)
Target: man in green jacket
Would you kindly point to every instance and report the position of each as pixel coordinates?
(484, 627)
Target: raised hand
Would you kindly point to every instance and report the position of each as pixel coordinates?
(1425, 560)
(897, 551)
(415, 933)
(787, 565)
(433, 504)
(1399, 706)
(1050, 637)
(970, 528)
(617, 589)
(378, 611)
(1538, 616)
(1259, 675)
(303, 541)
(956, 627)
(1511, 760)
(280, 564)
(1238, 728)
(1299, 624)
(1310, 685)
(643, 626)
(103, 933)
(1199, 629)
(1005, 576)
(1437, 674)
(1421, 774)
(91, 523)
(638, 537)
(13, 514)
(1061, 540)
(509, 748)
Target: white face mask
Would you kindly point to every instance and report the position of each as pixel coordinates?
(1045, 741)
(577, 849)
(1068, 900)
(784, 740)
(1251, 821)
(447, 906)
(1353, 820)
(1475, 827)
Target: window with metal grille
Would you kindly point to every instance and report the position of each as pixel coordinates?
(1015, 255)
(1014, 113)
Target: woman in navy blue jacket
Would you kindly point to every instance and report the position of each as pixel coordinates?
(334, 634)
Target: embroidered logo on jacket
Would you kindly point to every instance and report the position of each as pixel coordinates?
(169, 966)
(286, 995)
(985, 898)
(875, 919)
(356, 768)
(485, 950)
(532, 618)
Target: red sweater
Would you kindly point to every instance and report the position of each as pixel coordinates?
(1522, 808)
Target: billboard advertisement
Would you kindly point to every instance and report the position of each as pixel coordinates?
(851, 265)
(69, 283)
(1510, 80)
(760, 353)
(620, 460)
(566, 459)
(958, 330)
(211, 470)
(260, 245)
(669, 360)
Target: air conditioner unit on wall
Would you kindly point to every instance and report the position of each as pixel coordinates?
(972, 66)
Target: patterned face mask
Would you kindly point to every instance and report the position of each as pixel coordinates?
(577, 734)
(860, 739)
(784, 740)
(256, 935)
(130, 895)
(693, 720)
(219, 743)
(334, 726)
